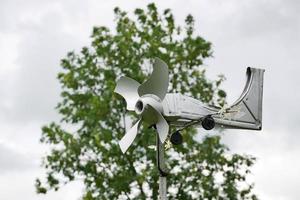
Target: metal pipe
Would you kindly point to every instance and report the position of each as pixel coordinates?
(160, 159)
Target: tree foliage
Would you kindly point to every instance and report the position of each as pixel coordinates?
(84, 144)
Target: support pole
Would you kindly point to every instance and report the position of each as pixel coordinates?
(160, 158)
(162, 188)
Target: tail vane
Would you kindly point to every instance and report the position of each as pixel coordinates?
(246, 112)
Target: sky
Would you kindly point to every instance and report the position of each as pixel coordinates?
(36, 34)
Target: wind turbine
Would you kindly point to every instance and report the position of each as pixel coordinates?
(155, 106)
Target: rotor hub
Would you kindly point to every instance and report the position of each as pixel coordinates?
(147, 105)
(139, 107)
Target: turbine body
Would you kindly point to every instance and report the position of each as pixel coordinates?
(245, 113)
(155, 106)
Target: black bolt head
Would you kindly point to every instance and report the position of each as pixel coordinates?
(208, 123)
(176, 138)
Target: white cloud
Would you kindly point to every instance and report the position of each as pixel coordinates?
(277, 165)
(12, 160)
(20, 184)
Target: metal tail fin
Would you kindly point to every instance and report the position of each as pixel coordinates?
(246, 112)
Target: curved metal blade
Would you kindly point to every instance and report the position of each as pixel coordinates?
(128, 138)
(128, 88)
(158, 82)
(162, 125)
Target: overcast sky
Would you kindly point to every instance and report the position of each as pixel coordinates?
(36, 34)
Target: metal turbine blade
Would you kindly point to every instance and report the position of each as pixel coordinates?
(158, 82)
(128, 138)
(128, 88)
(162, 125)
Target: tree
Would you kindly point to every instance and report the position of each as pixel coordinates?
(84, 144)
